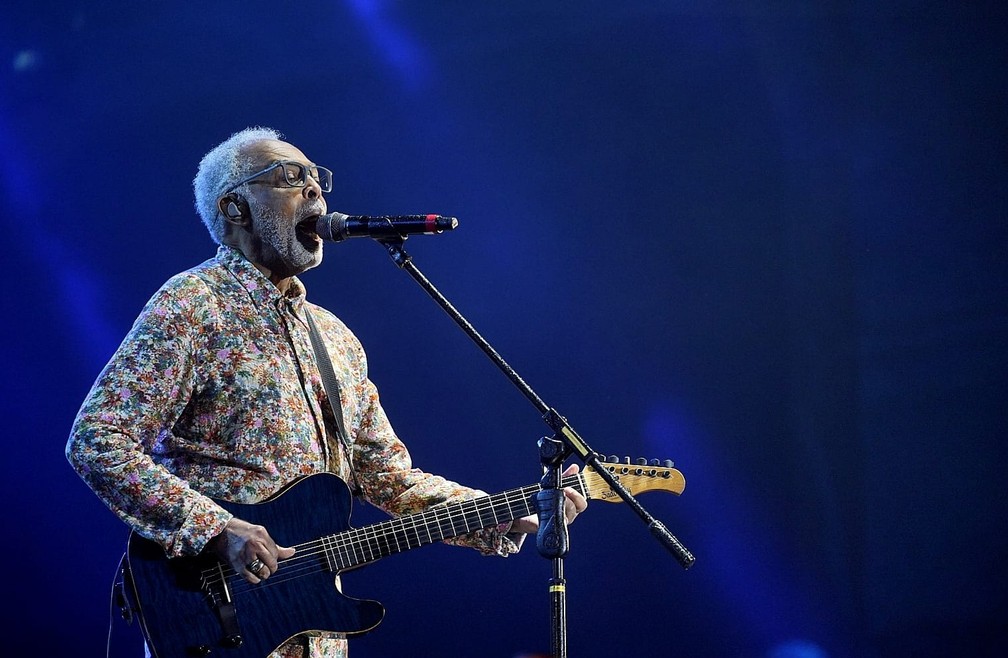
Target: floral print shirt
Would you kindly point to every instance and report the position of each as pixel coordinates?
(215, 393)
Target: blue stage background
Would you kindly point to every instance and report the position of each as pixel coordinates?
(767, 243)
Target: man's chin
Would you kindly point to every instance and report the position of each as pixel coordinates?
(314, 256)
(316, 260)
(298, 262)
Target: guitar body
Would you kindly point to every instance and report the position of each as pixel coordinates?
(180, 618)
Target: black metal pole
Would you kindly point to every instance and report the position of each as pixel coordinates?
(557, 423)
(552, 537)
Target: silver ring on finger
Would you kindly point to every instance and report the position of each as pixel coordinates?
(255, 566)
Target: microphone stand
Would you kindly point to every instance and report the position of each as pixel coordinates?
(552, 539)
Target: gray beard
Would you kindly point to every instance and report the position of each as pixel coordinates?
(277, 232)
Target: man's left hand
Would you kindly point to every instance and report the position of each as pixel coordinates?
(574, 504)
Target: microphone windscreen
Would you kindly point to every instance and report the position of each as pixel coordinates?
(331, 226)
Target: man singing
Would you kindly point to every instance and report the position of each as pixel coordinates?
(216, 393)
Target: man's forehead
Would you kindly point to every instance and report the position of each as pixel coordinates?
(269, 150)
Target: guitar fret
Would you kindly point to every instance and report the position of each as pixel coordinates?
(352, 545)
(367, 542)
(391, 541)
(343, 558)
(359, 546)
(411, 533)
(382, 543)
(330, 556)
(346, 544)
(426, 526)
(399, 536)
(460, 514)
(421, 526)
(451, 520)
(347, 550)
(403, 530)
(370, 537)
(395, 537)
(438, 520)
(485, 514)
(492, 511)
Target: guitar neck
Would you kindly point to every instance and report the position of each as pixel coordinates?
(360, 546)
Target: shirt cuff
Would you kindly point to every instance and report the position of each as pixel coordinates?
(205, 521)
(511, 542)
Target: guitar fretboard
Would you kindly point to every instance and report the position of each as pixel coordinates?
(360, 546)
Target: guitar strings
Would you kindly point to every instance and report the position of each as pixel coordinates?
(340, 552)
(346, 551)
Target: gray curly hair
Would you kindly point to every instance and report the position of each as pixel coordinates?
(224, 165)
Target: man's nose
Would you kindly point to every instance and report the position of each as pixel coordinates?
(312, 189)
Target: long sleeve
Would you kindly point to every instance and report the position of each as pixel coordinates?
(129, 410)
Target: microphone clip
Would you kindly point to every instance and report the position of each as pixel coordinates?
(552, 539)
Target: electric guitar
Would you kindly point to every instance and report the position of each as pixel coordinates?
(198, 606)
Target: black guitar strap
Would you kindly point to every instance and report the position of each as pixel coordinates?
(332, 390)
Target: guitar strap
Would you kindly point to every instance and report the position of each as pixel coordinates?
(332, 389)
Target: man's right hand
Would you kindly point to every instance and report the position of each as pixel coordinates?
(249, 550)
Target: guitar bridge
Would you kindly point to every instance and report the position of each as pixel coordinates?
(223, 605)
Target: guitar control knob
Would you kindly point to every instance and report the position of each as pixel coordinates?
(641, 461)
(669, 463)
(612, 459)
(655, 462)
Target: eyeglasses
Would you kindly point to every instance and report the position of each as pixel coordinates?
(295, 174)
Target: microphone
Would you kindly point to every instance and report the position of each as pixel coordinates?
(338, 227)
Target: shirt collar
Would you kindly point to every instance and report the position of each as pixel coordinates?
(258, 285)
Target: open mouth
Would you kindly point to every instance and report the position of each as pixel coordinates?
(306, 231)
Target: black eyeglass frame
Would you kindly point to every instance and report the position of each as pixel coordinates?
(321, 175)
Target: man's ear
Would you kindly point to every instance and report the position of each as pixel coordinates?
(234, 209)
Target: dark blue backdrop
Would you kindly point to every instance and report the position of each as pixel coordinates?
(768, 244)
